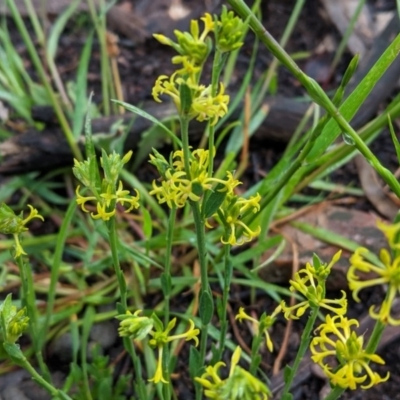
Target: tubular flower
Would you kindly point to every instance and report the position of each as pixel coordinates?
(387, 273)
(239, 385)
(203, 106)
(192, 45)
(12, 224)
(161, 336)
(347, 348)
(139, 327)
(265, 322)
(230, 215)
(310, 282)
(177, 188)
(105, 193)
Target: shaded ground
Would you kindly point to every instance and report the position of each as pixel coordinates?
(140, 64)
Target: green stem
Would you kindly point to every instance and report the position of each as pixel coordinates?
(128, 344)
(313, 89)
(228, 270)
(218, 64)
(166, 287)
(24, 363)
(167, 267)
(199, 222)
(29, 300)
(304, 345)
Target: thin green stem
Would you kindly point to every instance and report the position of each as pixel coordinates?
(304, 345)
(314, 90)
(112, 231)
(218, 64)
(167, 264)
(228, 270)
(24, 363)
(29, 300)
(55, 271)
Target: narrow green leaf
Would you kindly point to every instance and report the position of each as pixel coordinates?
(350, 106)
(206, 308)
(81, 101)
(214, 202)
(58, 27)
(194, 362)
(146, 115)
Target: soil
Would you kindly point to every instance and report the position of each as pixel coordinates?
(139, 65)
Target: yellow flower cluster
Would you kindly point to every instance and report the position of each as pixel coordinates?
(337, 339)
(230, 215)
(203, 106)
(265, 322)
(239, 385)
(193, 49)
(387, 272)
(12, 224)
(138, 327)
(177, 186)
(105, 194)
(310, 282)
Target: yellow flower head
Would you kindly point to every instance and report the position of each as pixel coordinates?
(178, 186)
(231, 214)
(265, 322)
(108, 192)
(12, 224)
(160, 337)
(363, 273)
(336, 338)
(239, 385)
(310, 282)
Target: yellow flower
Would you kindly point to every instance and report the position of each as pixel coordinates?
(347, 348)
(206, 107)
(265, 322)
(177, 186)
(239, 385)
(386, 274)
(13, 224)
(160, 338)
(230, 215)
(310, 282)
(106, 195)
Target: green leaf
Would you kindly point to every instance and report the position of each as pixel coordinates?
(147, 223)
(286, 373)
(144, 114)
(194, 362)
(206, 308)
(214, 202)
(351, 105)
(13, 351)
(81, 100)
